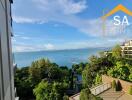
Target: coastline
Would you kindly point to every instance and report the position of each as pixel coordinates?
(66, 57)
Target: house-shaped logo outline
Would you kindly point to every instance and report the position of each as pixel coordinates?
(120, 7)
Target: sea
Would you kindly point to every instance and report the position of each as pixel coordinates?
(61, 57)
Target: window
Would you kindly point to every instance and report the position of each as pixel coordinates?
(11, 1)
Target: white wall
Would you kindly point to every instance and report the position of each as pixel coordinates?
(6, 65)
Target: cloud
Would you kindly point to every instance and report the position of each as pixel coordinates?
(62, 11)
(49, 46)
(24, 37)
(21, 36)
(61, 6)
(43, 10)
(20, 19)
(97, 27)
(22, 47)
(70, 7)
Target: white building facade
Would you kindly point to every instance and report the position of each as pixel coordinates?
(6, 58)
(127, 49)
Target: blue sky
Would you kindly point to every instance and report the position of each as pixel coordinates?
(65, 24)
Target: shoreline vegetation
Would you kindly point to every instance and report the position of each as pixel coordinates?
(45, 80)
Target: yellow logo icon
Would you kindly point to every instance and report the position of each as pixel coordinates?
(120, 7)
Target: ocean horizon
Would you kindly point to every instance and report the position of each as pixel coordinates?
(61, 57)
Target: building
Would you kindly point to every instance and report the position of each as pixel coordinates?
(6, 58)
(127, 49)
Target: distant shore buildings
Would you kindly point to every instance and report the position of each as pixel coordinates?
(127, 49)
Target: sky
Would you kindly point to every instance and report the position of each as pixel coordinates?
(66, 24)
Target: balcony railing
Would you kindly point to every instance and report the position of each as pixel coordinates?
(101, 88)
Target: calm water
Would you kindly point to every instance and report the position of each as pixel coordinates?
(61, 57)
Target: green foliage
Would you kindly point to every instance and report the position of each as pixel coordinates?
(39, 70)
(26, 79)
(58, 79)
(65, 97)
(98, 79)
(78, 68)
(130, 90)
(41, 91)
(87, 77)
(35, 73)
(44, 69)
(96, 65)
(93, 59)
(54, 72)
(118, 86)
(86, 95)
(130, 77)
(23, 83)
(99, 98)
(49, 91)
(120, 71)
(116, 51)
(114, 85)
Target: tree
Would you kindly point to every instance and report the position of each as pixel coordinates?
(42, 91)
(87, 77)
(78, 68)
(54, 72)
(121, 71)
(86, 95)
(65, 97)
(39, 70)
(23, 84)
(116, 51)
(98, 79)
(130, 77)
(93, 59)
(49, 91)
(35, 73)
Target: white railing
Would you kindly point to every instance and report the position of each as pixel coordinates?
(16, 98)
(101, 88)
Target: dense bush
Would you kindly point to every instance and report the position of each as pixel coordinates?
(121, 70)
(65, 97)
(87, 95)
(116, 51)
(87, 77)
(114, 85)
(130, 77)
(23, 84)
(27, 78)
(130, 90)
(49, 91)
(98, 79)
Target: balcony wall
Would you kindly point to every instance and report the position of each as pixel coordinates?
(125, 85)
